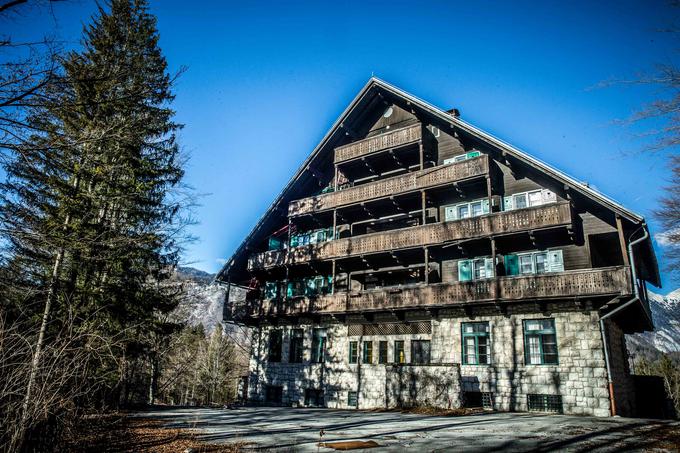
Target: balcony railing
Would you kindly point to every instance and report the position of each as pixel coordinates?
(398, 185)
(535, 218)
(570, 284)
(388, 140)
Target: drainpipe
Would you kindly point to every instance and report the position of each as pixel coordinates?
(636, 291)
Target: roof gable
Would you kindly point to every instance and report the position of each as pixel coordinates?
(374, 96)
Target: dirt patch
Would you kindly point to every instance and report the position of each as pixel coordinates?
(119, 433)
(350, 445)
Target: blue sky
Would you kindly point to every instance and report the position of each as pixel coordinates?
(265, 81)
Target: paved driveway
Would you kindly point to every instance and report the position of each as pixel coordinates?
(288, 429)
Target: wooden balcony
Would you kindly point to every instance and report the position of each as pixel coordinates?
(398, 185)
(536, 218)
(388, 140)
(608, 281)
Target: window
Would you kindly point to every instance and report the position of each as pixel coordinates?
(273, 394)
(382, 352)
(544, 403)
(477, 269)
(462, 157)
(275, 344)
(367, 355)
(296, 338)
(399, 356)
(420, 352)
(314, 397)
(271, 290)
(534, 263)
(312, 286)
(540, 342)
(318, 345)
(465, 210)
(352, 399)
(476, 343)
(353, 352)
(311, 237)
(528, 199)
(478, 399)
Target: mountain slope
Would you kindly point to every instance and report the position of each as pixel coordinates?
(666, 335)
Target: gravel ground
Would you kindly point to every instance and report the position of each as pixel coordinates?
(289, 429)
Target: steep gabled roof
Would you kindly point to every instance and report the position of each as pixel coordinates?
(375, 87)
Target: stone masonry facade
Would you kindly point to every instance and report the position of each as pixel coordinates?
(578, 379)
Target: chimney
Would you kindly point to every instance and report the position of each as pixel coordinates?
(454, 112)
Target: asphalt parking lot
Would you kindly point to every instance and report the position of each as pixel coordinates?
(293, 429)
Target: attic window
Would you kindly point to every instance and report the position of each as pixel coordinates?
(388, 112)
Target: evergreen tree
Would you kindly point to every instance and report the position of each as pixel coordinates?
(90, 206)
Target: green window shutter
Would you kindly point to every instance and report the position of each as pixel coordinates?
(485, 206)
(511, 264)
(464, 270)
(555, 261)
(472, 154)
(489, 267)
(290, 289)
(507, 203)
(274, 243)
(293, 241)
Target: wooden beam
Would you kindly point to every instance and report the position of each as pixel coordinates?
(622, 241)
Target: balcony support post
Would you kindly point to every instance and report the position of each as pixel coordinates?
(427, 265)
(423, 200)
(421, 151)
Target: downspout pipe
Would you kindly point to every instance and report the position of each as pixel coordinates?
(635, 299)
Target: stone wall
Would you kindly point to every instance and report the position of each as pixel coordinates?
(579, 377)
(624, 387)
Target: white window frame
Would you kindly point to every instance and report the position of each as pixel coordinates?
(468, 204)
(546, 197)
(533, 256)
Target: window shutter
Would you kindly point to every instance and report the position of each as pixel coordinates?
(293, 241)
(548, 196)
(290, 289)
(464, 270)
(489, 267)
(485, 206)
(450, 160)
(472, 154)
(274, 243)
(507, 203)
(555, 261)
(449, 213)
(511, 264)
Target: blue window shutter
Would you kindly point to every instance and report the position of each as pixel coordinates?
(464, 270)
(511, 264)
(507, 203)
(555, 261)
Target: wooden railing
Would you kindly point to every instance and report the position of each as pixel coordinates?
(388, 140)
(577, 283)
(500, 223)
(398, 185)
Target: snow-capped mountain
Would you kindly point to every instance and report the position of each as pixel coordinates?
(666, 335)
